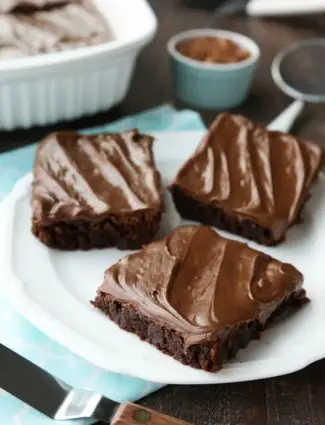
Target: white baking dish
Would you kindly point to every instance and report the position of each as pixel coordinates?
(45, 89)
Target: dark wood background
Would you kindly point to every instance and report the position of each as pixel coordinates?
(298, 399)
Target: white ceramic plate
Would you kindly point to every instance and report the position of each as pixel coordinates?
(52, 290)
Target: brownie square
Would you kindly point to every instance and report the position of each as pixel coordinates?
(96, 191)
(197, 296)
(247, 180)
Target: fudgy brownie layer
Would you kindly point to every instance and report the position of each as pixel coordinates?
(124, 232)
(96, 191)
(208, 356)
(252, 182)
(191, 209)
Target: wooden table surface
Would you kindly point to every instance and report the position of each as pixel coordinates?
(297, 399)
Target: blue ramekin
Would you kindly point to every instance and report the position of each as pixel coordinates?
(209, 85)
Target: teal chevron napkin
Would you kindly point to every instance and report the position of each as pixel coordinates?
(21, 336)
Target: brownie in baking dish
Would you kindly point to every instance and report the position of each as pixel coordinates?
(247, 180)
(96, 191)
(197, 296)
(38, 27)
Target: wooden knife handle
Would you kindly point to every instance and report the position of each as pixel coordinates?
(133, 414)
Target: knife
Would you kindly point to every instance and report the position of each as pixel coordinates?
(271, 8)
(57, 400)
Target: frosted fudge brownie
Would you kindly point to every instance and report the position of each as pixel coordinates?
(246, 179)
(7, 6)
(197, 296)
(35, 27)
(96, 191)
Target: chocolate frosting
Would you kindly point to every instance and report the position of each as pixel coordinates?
(251, 173)
(198, 283)
(61, 28)
(87, 177)
(7, 6)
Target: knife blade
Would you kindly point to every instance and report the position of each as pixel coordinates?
(57, 400)
(264, 8)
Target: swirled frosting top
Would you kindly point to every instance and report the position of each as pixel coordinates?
(251, 172)
(77, 176)
(199, 284)
(7, 6)
(59, 28)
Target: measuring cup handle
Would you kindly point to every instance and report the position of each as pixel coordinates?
(286, 119)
